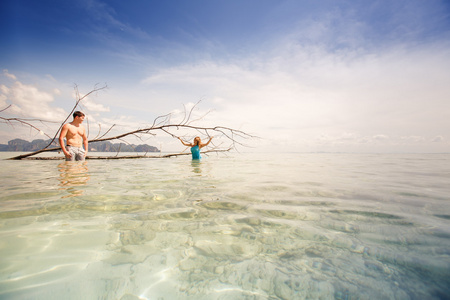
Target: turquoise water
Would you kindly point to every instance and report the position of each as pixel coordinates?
(241, 226)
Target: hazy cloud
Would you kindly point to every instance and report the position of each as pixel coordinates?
(414, 139)
(380, 137)
(7, 74)
(438, 139)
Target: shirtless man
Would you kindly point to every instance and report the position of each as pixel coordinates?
(75, 135)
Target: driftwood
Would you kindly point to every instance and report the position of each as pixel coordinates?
(89, 157)
(161, 124)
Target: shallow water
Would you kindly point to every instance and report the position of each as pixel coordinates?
(244, 226)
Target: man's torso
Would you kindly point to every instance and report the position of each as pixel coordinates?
(74, 135)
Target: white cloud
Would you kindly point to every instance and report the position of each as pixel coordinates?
(305, 92)
(31, 101)
(28, 101)
(4, 89)
(94, 107)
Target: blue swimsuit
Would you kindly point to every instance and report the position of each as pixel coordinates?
(195, 152)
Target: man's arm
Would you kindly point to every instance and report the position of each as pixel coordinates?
(62, 135)
(85, 141)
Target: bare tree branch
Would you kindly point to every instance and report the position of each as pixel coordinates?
(106, 131)
(161, 124)
(79, 99)
(25, 122)
(190, 112)
(5, 109)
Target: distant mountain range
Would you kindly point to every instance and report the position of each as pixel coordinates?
(25, 146)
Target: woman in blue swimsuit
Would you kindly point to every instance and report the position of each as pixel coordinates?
(196, 146)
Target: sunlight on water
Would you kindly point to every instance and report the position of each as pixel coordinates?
(298, 226)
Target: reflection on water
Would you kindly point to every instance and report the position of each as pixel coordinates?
(196, 166)
(246, 227)
(73, 177)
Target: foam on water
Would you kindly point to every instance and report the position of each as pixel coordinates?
(245, 226)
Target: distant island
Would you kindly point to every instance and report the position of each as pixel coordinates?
(25, 146)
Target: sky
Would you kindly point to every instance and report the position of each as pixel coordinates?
(303, 76)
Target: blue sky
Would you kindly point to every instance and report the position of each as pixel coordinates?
(353, 76)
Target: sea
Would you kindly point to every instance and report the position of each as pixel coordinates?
(230, 226)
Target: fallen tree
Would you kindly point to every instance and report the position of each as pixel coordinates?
(161, 124)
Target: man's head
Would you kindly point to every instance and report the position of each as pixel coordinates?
(78, 114)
